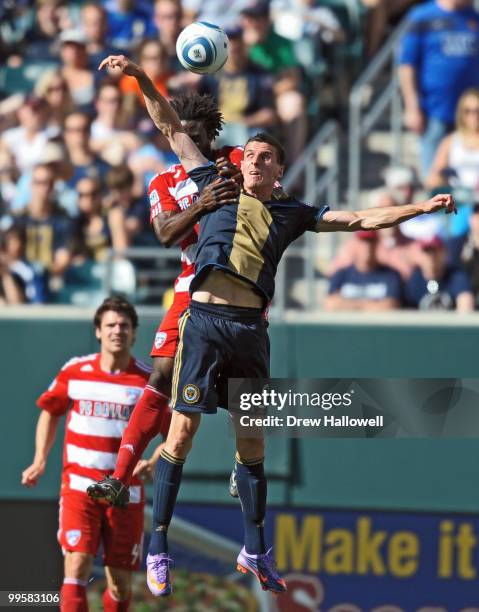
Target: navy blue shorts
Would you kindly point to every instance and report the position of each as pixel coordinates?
(217, 342)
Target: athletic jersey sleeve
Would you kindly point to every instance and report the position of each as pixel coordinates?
(55, 399)
(160, 198)
(308, 217)
(203, 175)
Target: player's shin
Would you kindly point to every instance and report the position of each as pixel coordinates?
(252, 490)
(150, 416)
(167, 483)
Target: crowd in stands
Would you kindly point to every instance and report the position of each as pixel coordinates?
(426, 263)
(77, 148)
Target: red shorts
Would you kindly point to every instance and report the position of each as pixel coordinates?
(166, 337)
(84, 523)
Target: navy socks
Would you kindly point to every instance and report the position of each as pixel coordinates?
(252, 489)
(166, 486)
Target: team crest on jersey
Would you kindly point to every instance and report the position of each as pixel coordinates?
(73, 536)
(133, 394)
(191, 394)
(160, 339)
(154, 197)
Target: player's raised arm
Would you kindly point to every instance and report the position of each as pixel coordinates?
(47, 426)
(161, 113)
(381, 217)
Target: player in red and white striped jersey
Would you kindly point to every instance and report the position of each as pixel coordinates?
(98, 393)
(175, 213)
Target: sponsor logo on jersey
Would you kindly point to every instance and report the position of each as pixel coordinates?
(191, 394)
(86, 368)
(160, 339)
(73, 536)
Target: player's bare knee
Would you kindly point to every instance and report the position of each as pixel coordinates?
(119, 583)
(78, 565)
(119, 590)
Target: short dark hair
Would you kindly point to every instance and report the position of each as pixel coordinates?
(119, 177)
(88, 118)
(117, 304)
(199, 107)
(265, 137)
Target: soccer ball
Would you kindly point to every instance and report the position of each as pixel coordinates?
(202, 47)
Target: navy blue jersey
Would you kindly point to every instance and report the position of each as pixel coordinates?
(248, 239)
(378, 284)
(438, 294)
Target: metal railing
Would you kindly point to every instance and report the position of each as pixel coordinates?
(152, 272)
(320, 179)
(362, 120)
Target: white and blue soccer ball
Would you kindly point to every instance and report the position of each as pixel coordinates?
(202, 47)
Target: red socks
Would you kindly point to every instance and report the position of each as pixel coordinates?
(73, 596)
(113, 605)
(150, 416)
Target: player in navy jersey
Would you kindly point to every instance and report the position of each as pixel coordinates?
(174, 214)
(223, 332)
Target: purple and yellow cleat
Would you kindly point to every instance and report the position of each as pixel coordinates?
(158, 574)
(263, 567)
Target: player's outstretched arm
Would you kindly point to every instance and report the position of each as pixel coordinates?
(161, 113)
(47, 426)
(381, 217)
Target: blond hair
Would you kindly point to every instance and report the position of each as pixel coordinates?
(469, 93)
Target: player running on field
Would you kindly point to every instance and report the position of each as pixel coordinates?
(97, 393)
(223, 333)
(174, 220)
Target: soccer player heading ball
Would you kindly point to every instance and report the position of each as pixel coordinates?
(223, 333)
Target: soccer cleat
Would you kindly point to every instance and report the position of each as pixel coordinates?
(233, 487)
(158, 574)
(110, 489)
(263, 567)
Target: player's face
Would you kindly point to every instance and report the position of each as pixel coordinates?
(116, 333)
(260, 166)
(198, 135)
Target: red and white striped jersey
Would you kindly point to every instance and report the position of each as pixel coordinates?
(174, 190)
(99, 405)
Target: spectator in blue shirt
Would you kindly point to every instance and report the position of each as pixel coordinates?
(365, 285)
(438, 60)
(435, 284)
(128, 22)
